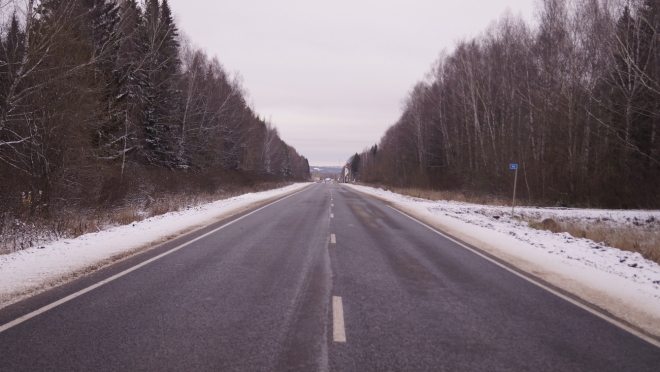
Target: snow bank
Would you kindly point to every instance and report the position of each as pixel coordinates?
(623, 283)
(28, 271)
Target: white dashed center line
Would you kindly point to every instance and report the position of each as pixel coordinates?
(332, 215)
(338, 331)
(333, 239)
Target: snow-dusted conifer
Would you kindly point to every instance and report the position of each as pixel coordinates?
(160, 96)
(12, 49)
(286, 165)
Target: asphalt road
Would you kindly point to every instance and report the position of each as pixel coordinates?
(282, 288)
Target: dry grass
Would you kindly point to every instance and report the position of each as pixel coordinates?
(126, 216)
(641, 239)
(458, 196)
(21, 233)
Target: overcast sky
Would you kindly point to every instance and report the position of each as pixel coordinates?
(332, 74)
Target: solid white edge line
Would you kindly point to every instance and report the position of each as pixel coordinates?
(70, 297)
(333, 239)
(338, 330)
(541, 285)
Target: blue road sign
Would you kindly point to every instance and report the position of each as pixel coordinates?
(513, 166)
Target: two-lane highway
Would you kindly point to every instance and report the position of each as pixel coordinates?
(326, 279)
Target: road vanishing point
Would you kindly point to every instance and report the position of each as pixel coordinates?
(326, 279)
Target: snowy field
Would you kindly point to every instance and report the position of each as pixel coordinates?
(621, 282)
(32, 270)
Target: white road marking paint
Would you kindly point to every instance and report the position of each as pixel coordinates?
(613, 321)
(338, 330)
(70, 297)
(332, 205)
(332, 215)
(333, 239)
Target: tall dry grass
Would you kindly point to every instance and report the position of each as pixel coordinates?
(18, 233)
(459, 196)
(641, 239)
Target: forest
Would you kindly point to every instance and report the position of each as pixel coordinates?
(573, 98)
(105, 103)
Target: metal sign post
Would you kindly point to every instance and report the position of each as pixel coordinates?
(515, 182)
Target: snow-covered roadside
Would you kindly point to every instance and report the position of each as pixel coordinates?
(623, 283)
(29, 271)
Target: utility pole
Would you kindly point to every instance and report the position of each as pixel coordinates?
(515, 182)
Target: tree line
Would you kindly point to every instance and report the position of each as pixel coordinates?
(573, 99)
(94, 94)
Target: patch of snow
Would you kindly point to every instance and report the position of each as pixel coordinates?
(622, 282)
(24, 272)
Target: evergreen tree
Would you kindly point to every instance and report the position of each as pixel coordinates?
(160, 96)
(649, 136)
(355, 164)
(12, 48)
(101, 21)
(286, 164)
(118, 34)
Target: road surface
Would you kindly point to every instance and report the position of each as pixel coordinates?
(324, 280)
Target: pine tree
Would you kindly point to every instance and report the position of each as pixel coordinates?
(286, 165)
(12, 49)
(125, 87)
(169, 53)
(355, 164)
(170, 63)
(100, 25)
(159, 93)
(649, 136)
